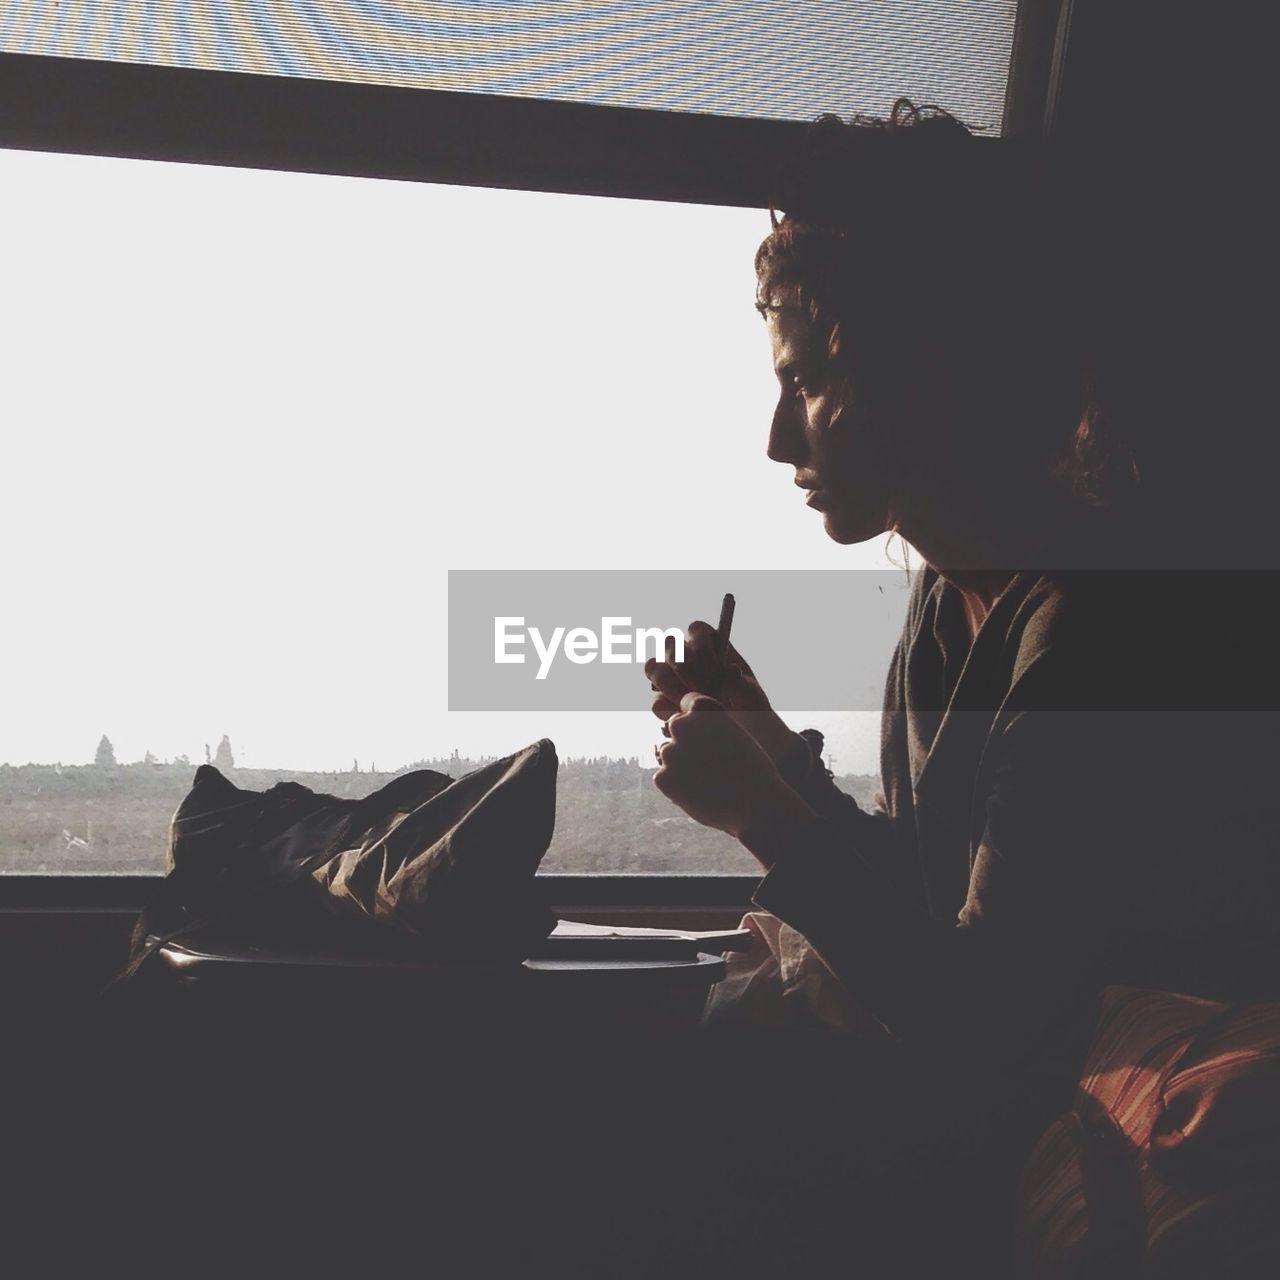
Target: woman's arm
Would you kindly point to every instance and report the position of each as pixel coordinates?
(730, 680)
(802, 769)
(1048, 885)
(797, 757)
(996, 985)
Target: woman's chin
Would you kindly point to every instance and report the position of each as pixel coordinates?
(847, 527)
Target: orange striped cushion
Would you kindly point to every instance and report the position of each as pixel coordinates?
(1138, 1037)
(1218, 1115)
(1192, 1090)
(1069, 1228)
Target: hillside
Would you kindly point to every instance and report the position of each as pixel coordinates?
(112, 820)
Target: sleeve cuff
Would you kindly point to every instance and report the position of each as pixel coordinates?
(797, 764)
(804, 772)
(811, 876)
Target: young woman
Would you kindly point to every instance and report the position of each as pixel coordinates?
(1075, 760)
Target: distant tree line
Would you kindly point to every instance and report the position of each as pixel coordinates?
(112, 818)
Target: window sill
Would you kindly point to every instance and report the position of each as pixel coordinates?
(608, 896)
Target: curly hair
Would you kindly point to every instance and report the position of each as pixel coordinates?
(923, 253)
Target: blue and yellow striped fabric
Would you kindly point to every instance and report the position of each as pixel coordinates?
(753, 58)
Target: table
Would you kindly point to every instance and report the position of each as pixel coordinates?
(646, 995)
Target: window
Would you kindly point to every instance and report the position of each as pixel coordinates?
(297, 402)
(257, 415)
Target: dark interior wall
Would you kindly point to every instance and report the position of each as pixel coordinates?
(1163, 99)
(53, 963)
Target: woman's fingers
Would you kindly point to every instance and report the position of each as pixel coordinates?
(704, 669)
(679, 731)
(725, 675)
(703, 665)
(711, 767)
(664, 707)
(697, 704)
(736, 659)
(666, 681)
(668, 689)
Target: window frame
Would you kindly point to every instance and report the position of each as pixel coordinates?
(138, 111)
(584, 893)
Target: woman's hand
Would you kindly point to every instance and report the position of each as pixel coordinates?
(720, 776)
(729, 680)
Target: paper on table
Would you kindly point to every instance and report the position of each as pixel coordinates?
(722, 938)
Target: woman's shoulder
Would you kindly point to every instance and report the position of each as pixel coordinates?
(1144, 637)
(1084, 637)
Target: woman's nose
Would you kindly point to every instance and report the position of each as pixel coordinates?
(786, 435)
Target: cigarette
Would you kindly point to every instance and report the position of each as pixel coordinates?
(726, 623)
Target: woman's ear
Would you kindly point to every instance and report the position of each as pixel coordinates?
(833, 342)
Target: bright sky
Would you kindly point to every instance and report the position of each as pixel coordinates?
(252, 420)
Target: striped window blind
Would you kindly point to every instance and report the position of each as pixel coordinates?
(745, 58)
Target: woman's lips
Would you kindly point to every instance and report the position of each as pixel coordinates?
(814, 498)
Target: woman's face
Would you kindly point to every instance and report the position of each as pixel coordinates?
(841, 452)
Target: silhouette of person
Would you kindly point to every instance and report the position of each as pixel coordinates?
(1075, 751)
